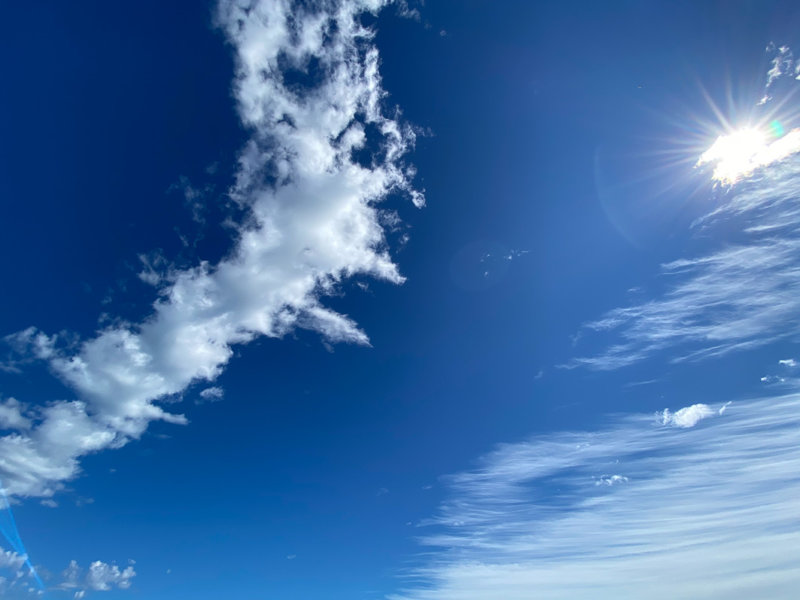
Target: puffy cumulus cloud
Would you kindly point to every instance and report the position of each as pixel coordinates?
(11, 560)
(18, 579)
(99, 577)
(322, 154)
(103, 577)
(688, 416)
(688, 506)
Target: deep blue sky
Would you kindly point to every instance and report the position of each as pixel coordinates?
(537, 123)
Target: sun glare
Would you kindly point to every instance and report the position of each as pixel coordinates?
(738, 155)
(734, 154)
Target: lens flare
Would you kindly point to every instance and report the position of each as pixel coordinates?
(8, 527)
(776, 128)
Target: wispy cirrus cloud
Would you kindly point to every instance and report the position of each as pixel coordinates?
(636, 510)
(741, 296)
(322, 154)
(782, 65)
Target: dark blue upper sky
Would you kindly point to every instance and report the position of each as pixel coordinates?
(555, 145)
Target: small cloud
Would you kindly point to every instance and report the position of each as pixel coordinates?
(154, 268)
(609, 480)
(686, 417)
(788, 362)
(724, 407)
(382, 492)
(211, 394)
(100, 577)
(291, 556)
(407, 12)
(193, 197)
(31, 342)
(104, 577)
(631, 384)
(49, 502)
(512, 254)
(539, 374)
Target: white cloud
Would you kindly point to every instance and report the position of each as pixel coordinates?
(153, 270)
(212, 394)
(783, 65)
(739, 154)
(313, 221)
(688, 416)
(702, 504)
(103, 577)
(739, 297)
(788, 362)
(609, 480)
(100, 577)
(11, 560)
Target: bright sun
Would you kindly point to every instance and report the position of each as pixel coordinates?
(734, 154)
(738, 154)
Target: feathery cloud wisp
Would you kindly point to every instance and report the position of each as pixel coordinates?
(715, 502)
(741, 296)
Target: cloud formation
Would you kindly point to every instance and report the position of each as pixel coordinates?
(714, 502)
(310, 96)
(688, 416)
(11, 560)
(740, 296)
(100, 577)
(783, 65)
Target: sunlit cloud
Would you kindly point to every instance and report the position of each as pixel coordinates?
(738, 297)
(738, 155)
(99, 577)
(708, 510)
(688, 416)
(311, 177)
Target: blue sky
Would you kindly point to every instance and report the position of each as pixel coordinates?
(356, 299)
